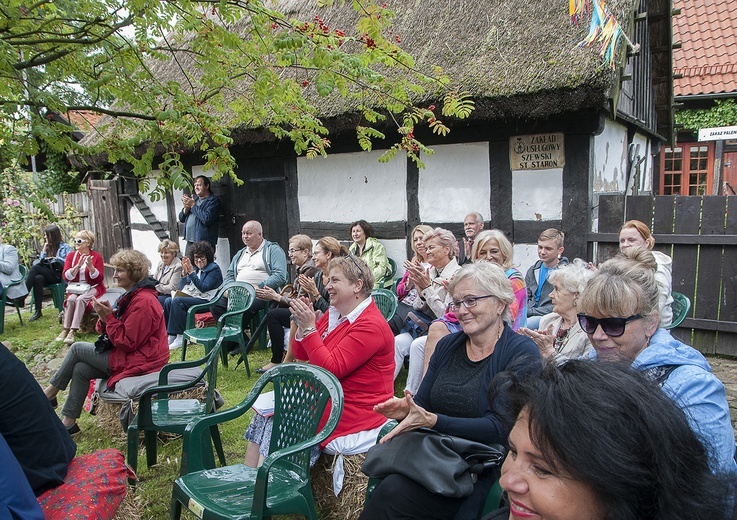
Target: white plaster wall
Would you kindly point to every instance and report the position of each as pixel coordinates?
(610, 159)
(395, 249)
(537, 194)
(642, 150)
(351, 186)
(455, 182)
(525, 255)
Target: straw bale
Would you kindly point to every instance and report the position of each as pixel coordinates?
(349, 503)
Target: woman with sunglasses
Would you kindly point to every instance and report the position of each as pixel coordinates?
(82, 268)
(619, 312)
(453, 398)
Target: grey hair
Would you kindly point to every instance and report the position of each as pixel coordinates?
(573, 277)
(446, 239)
(490, 279)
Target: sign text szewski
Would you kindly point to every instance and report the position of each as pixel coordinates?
(537, 151)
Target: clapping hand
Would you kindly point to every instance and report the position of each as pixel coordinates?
(418, 275)
(187, 266)
(302, 313)
(266, 293)
(542, 338)
(309, 286)
(417, 417)
(102, 308)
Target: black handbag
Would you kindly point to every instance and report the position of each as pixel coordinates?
(444, 464)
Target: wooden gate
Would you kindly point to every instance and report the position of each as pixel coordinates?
(109, 219)
(700, 234)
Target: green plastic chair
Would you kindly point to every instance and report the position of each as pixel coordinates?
(241, 296)
(680, 306)
(164, 414)
(11, 303)
(387, 280)
(255, 322)
(281, 485)
(58, 290)
(386, 301)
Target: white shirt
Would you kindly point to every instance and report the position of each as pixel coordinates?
(335, 319)
(251, 266)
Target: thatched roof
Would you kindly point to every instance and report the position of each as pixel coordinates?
(518, 58)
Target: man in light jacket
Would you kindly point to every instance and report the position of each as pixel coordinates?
(261, 263)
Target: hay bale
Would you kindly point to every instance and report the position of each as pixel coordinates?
(131, 506)
(349, 503)
(108, 414)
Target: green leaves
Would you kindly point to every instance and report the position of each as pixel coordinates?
(723, 113)
(176, 78)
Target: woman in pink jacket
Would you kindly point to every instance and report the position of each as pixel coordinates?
(83, 269)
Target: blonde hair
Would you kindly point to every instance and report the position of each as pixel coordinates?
(505, 246)
(624, 286)
(422, 228)
(169, 245)
(132, 261)
(303, 242)
(553, 234)
(446, 239)
(87, 236)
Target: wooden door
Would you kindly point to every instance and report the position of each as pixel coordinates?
(262, 197)
(729, 174)
(110, 220)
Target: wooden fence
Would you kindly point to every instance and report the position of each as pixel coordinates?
(700, 234)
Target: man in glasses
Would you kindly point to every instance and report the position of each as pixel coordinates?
(200, 214)
(261, 263)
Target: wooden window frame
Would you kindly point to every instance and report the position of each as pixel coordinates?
(686, 167)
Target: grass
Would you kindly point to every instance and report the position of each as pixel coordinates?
(34, 344)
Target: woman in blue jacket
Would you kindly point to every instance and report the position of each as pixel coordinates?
(201, 278)
(619, 312)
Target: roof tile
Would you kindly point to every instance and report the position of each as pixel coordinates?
(708, 56)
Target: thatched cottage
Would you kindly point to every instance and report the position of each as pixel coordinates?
(554, 127)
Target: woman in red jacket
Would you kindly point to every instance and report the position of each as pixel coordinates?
(136, 338)
(83, 270)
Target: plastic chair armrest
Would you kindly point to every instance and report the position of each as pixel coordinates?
(164, 372)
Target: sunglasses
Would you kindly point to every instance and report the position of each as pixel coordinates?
(79, 240)
(612, 327)
(353, 259)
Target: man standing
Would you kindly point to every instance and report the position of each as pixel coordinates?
(472, 226)
(200, 214)
(261, 263)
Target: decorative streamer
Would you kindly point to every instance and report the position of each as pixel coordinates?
(603, 28)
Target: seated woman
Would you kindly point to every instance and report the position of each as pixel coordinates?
(201, 278)
(353, 341)
(489, 246)
(48, 268)
(572, 451)
(619, 312)
(83, 272)
(169, 270)
(300, 254)
(434, 298)
(560, 337)
(454, 398)
(137, 339)
(635, 233)
(406, 291)
(10, 272)
(370, 250)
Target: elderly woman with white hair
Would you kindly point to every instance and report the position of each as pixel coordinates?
(560, 336)
(431, 284)
(453, 398)
(169, 271)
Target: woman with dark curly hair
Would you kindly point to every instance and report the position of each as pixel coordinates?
(598, 441)
(136, 333)
(201, 278)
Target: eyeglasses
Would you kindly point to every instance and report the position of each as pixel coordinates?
(79, 241)
(292, 251)
(612, 327)
(353, 258)
(468, 302)
(199, 258)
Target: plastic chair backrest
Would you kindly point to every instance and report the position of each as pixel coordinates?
(393, 265)
(680, 306)
(386, 301)
(241, 296)
(301, 393)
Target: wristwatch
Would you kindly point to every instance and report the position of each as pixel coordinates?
(309, 330)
